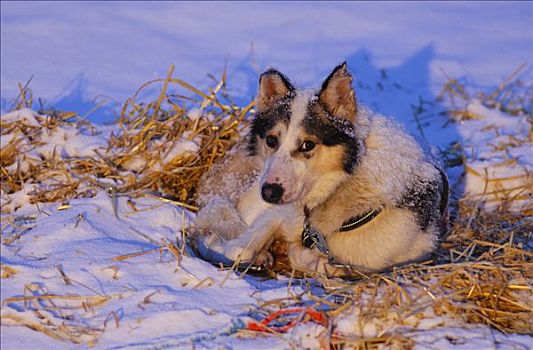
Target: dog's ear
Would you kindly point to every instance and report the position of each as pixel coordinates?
(338, 95)
(273, 86)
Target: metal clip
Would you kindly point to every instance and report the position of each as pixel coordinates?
(311, 238)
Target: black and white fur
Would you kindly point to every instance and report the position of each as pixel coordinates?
(322, 152)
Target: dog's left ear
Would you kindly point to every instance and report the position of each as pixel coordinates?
(338, 95)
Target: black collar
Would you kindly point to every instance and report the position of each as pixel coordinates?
(358, 221)
(311, 237)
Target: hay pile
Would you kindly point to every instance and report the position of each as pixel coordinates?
(156, 147)
(482, 272)
(496, 149)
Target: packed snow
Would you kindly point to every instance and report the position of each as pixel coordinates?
(101, 52)
(152, 296)
(155, 298)
(494, 152)
(111, 278)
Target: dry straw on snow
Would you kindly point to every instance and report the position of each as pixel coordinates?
(482, 272)
(147, 133)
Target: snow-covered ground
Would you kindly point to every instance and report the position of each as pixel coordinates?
(152, 296)
(78, 51)
(103, 272)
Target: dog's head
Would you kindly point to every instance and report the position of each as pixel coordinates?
(307, 139)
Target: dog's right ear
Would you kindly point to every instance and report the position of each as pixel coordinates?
(273, 86)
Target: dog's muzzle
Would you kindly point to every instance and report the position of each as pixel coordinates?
(272, 193)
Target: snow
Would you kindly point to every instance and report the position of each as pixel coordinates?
(194, 114)
(429, 331)
(155, 298)
(470, 338)
(171, 150)
(135, 163)
(67, 141)
(151, 300)
(85, 53)
(183, 146)
(481, 138)
(26, 115)
(104, 51)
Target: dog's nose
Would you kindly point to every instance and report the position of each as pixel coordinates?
(272, 193)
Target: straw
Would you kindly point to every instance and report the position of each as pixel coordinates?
(481, 273)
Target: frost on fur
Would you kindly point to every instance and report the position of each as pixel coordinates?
(219, 217)
(359, 161)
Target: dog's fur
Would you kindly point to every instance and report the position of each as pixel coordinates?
(360, 161)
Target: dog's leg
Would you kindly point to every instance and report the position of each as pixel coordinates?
(310, 260)
(305, 259)
(220, 218)
(254, 240)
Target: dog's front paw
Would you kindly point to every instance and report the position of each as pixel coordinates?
(305, 259)
(235, 252)
(226, 252)
(211, 248)
(214, 249)
(265, 259)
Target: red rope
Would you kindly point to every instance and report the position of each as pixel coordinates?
(309, 314)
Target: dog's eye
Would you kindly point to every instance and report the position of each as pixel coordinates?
(306, 146)
(272, 141)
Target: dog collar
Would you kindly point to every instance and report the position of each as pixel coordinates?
(311, 237)
(358, 221)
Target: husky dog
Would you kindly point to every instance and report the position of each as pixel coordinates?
(344, 187)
